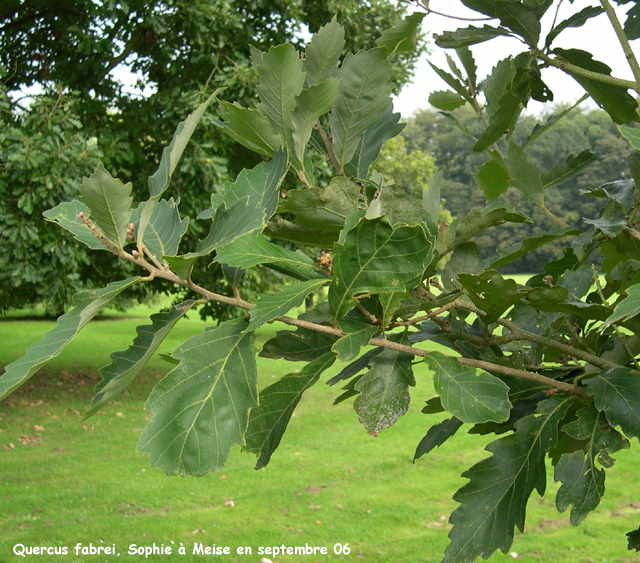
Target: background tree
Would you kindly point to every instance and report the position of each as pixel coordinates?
(432, 133)
(181, 51)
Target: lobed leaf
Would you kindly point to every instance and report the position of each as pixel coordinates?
(369, 147)
(281, 80)
(504, 118)
(88, 304)
(469, 396)
(384, 390)
(437, 435)
(493, 179)
(159, 181)
(65, 214)
(110, 203)
(126, 365)
(490, 508)
(575, 20)
(361, 264)
(491, 293)
(249, 128)
(251, 250)
(519, 249)
(525, 174)
(201, 408)
(569, 168)
(312, 103)
(615, 100)
(269, 420)
(270, 306)
(479, 220)
(165, 229)
(465, 37)
(402, 37)
(364, 95)
(617, 392)
(357, 335)
(323, 52)
(628, 307)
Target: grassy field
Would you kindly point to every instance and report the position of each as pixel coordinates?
(66, 482)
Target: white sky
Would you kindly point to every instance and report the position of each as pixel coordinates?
(596, 36)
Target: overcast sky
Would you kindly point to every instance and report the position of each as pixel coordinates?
(596, 37)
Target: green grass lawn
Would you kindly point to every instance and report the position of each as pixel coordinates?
(66, 482)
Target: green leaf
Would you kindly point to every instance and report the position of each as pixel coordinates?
(558, 300)
(270, 306)
(361, 262)
(261, 184)
(582, 482)
(617, 393)
(357, 335)
(165, 229)
(539, 129)
(181, 265)
(269, 420)
(465, 37)
(456, 84)
(519, 249)
(446, 100)
(364, 96)
(479, 220)
(247, 204)
(88, 304)
(498, 84)
(310, 105)
(575, 20)
(437, 435)
(110, 203)
(301, 345)
(65, 214)
(249, 128)
(615, 100)
(464, 260)
(431, 196)
(520, 19)
(627, 308)
(369, 148)
(201, 407)
(569, 168)
(490, 507)
(402, 37)
(631, 134)
(610, 227)
(468, 395)
(251, 250)
(171, 154)
(126, 365)
(281, 80)
(384, 390)
(397, 207)
(504, 118)
(632, 23)
(492, 179)
(622, 192)
(325, 208)
(229, 225)
(492, 293)
(526, 176)
(468, 62)
(323, 52)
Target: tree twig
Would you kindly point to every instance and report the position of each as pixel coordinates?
(327, 145)
(624, 42)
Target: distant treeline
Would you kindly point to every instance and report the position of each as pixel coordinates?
(440, 137)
